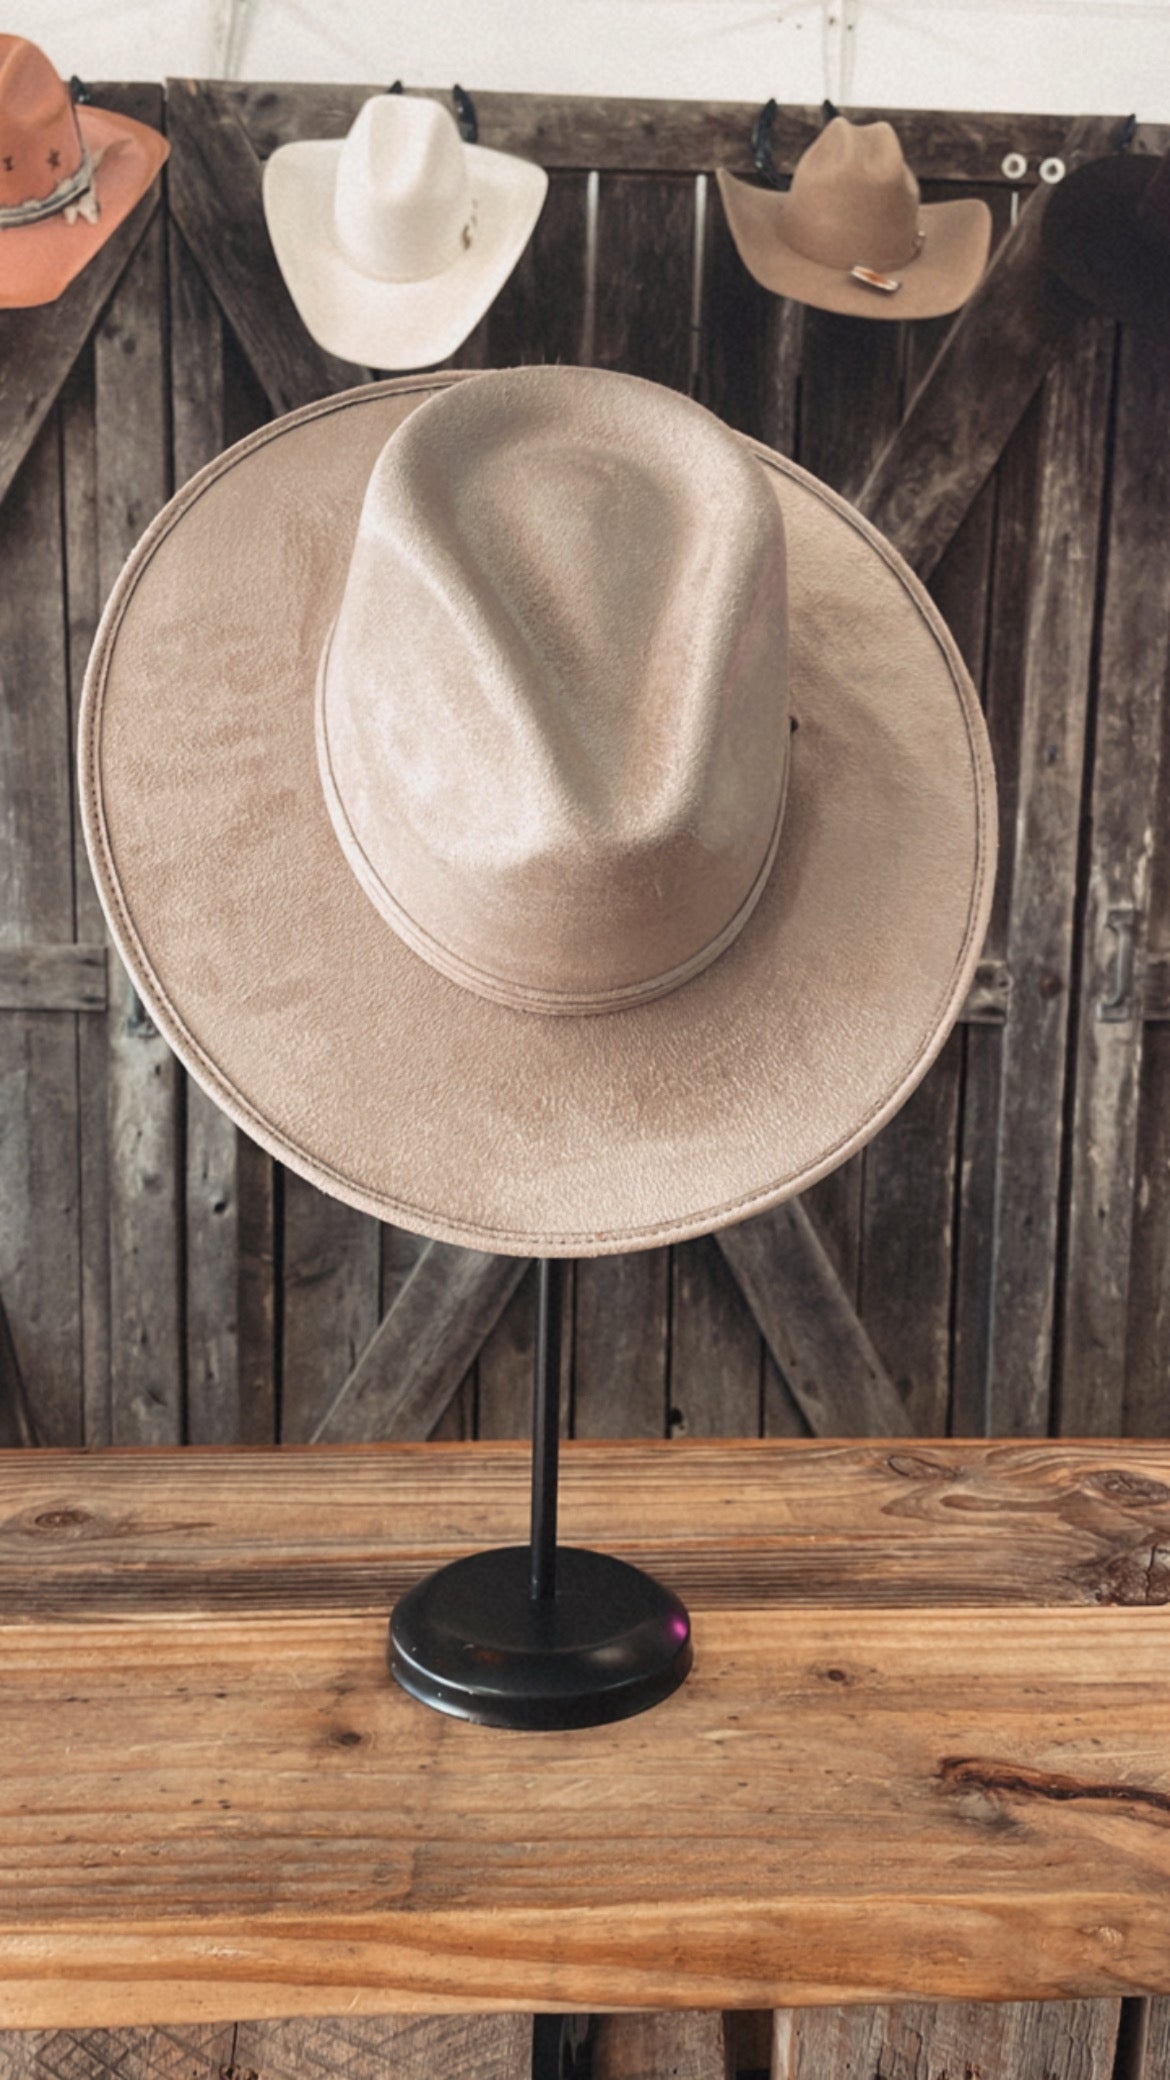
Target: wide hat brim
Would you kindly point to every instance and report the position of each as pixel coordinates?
(38, 261)
(341, 1051)
(940, 279)
(385, 324)
(1094, 240)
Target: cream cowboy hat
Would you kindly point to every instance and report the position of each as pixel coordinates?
(851, 235)
(538, 815)
(394, 241)
(69, 175)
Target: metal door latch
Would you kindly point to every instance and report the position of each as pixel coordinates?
(1118, 1006)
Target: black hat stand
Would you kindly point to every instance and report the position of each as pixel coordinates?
(541, 1635)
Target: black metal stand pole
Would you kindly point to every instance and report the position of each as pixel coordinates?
(541, 1635)
(546, 1420)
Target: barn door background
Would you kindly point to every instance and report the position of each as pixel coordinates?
(995, 1261)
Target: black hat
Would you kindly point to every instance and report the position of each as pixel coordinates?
(1106, 233)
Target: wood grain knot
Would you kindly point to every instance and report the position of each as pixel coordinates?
(60, 1519)
(346, 1737)
(919, 1466)
(1015, 1780)
(1123, 1487)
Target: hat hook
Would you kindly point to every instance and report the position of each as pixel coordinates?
(79, 93)
(465, 115)
(761, 145)
(1126, 134)
(396, 87)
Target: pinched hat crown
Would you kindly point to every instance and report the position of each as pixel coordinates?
(552, 712)
(41, 151)
(402, 205)
(853, 200)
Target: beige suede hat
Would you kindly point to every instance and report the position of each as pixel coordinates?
(851, 235)
(538, 815)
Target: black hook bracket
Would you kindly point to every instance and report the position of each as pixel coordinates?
(761, 145)
(465, 115)
(80, 94)
(1125, 135)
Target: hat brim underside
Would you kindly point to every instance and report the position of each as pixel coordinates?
(382, 324)
(342, 1052)
(40, 260)
(941, 278)
(1093, 240)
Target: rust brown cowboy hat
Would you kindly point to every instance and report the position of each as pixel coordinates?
(69, 175)
(851, 234)
(439, 774)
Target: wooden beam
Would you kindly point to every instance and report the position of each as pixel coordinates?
(977, 388)
(1055, 657)
(829, 1364)
(1000, 2040)
(617, 135)
(421, 1350)
(214, 190)
(52, 978)
(38, 347)
(385, 2047)
(917, 1757)
(1132, 667)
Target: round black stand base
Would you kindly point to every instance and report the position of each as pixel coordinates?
(471, 1641)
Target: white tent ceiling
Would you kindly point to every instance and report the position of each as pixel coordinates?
(1075, 56)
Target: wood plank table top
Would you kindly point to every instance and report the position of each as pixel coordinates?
(924, 1752)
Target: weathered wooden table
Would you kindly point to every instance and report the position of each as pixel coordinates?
(925, 1750)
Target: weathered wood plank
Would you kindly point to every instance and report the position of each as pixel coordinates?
(330, 1301)
(621, 1345)
(751, 344)
(419, 1354)
(398, 2047)
(211, 1208)
(145, 1193)
(52, 978)
(1147, 1403)
(909, 1205)
(539, 313)
(645, 276)
(16, 1421)
(214, 188)
(504, 1369)
(687, 2046)
(197, 2051)
(396, 1859)
(1010, 2040)
(1012, 492)
(1055, 665)
(849, 405)
(82, 606)
(39, 1250)
(39, 347)
(620, 135)
(716, 1355)
(873, 1525)
(984, 376)
(807, 1320)
(1132, 667)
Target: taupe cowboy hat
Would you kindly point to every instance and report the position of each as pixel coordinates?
(394, 240)
(538, 815)
(851, 235)
(69, 175)
(1106, 234)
